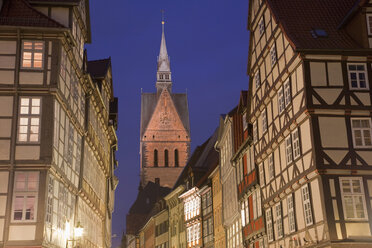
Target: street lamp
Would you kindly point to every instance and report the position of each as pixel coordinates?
(78, 232)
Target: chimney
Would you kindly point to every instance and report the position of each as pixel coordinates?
(157, 181)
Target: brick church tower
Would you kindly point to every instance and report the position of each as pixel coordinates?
(165, 127)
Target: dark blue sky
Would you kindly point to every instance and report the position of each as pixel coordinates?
(207, 42)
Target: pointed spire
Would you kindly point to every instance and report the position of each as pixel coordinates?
(163, 60)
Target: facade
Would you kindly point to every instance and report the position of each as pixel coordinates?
(177, 235)
(162, 227)
(165, 128)
(58, 128)
(219, 231)
(197, 198)
(309, 104)
(231, 213)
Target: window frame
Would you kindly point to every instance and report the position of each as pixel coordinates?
(287, 93)
(362, 133)
(261, 26)
(291, 213)
(264, 121)
(29, 116)
(33, 51)
(307, 205)
(269, 225)
(362, 193)
(255, 131)
(271, 166)
(25, 193)
(296, 144)
(288, 149)
(358, 82)
(257, 79)
(273, 55)
(369, 26)
(281, 101)
(279, 220)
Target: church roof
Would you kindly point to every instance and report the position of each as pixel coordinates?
(21, 13)
(163, 60)
(148, 104)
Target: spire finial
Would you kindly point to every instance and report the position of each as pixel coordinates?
(162, 19)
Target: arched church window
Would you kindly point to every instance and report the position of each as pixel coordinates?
(167, 76)
(176, 164)
(161, 76)
(156, 158)
(166, 164)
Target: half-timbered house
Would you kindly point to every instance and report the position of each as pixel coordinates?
(58, 122)
(310, 107)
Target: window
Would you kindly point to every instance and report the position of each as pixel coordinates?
(271, 167)
(288, 149)
(255, 130)
(161, 76)
(273, 55)
(242, 213)
(361, 132)
(29, 119)
(369, 24)
(246, 210)
(357, 76)
(262, 176)
(296, 144)
(279, 220)
(257, 79)
(32, 54)
(281, 105)
(245, 123)
(291, 214)
(261, 26)
(25, 196)
(156, 158)
(259, 207)
(307, 205)
(353, 200)
(254, 200)
(49, 212)
(287, 93)
(167, 76)
(264, 121)
(269, 225)
(176, 163)
(166, 158)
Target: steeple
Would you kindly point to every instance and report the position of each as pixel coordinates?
(164, 79)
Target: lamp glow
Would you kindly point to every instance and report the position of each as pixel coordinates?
(78, 230)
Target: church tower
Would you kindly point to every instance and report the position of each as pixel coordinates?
(165, 127)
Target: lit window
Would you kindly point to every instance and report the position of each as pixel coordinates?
(291, 214)
(29, 119)
(246, 210)
(271, 167)
(307, 205)
(26, 186)
(287, 93)
(361, 132)
(281, 105)
(261, 26)
(357, 76)
(269, 225)
(279, 220)
(242, 213)
(264, 121)
(32, 54)
(257, 79)
(273, 55)
(296, 144)
(353, 200)
(288, 149)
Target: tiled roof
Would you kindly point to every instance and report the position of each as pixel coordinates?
(20, 13)
(300, 18)
(98, 68)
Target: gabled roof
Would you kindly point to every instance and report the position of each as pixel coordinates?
(148, 105)
(300, 18)
(21, 13)
(99, 68)
(243, 102)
